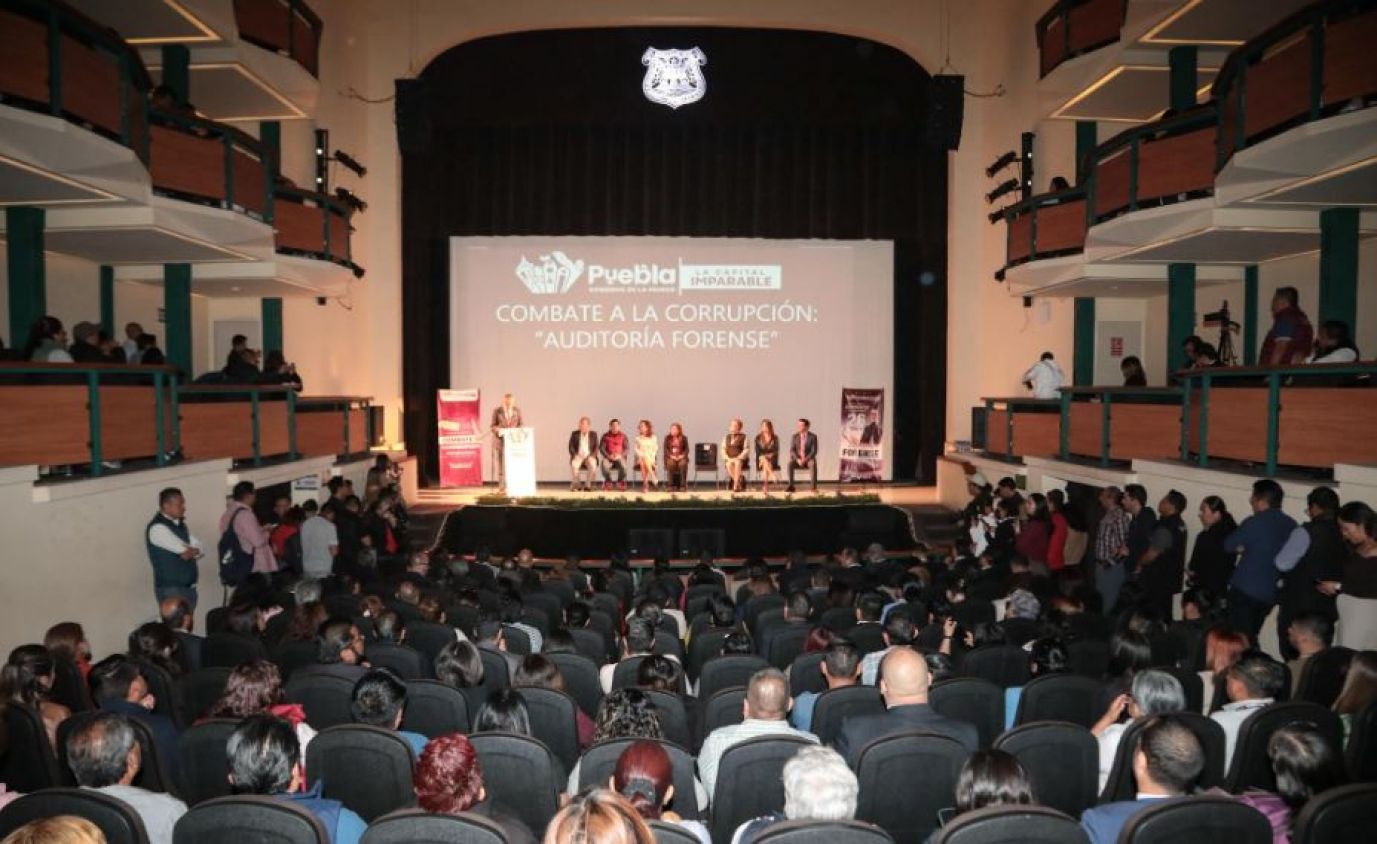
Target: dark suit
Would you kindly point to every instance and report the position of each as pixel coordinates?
(858, 731)
(803, 453)
(871, 434)
(1104, 823)
(590, 462)
(502, 418)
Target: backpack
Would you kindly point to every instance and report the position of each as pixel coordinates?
(235, 563)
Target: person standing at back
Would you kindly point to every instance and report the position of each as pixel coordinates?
(253, 538)
(1045, 378)
(1313, 553)
(1291, 336)
(172, 550)
(320, 542)
(1253, 587)
(1162, 564)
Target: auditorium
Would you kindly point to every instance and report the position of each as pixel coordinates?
(692, 422)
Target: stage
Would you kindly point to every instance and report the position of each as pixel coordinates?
(593, 525)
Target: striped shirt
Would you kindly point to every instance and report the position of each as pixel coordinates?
(1112, 535)
(720, 740)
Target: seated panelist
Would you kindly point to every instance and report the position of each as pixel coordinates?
(735, 453)
(583, 455)
(612, 447)
(676, 457)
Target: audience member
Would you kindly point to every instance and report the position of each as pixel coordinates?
(117, 686)
(1253, 587)
(1111, 547)
(818, 786)
(1166, 764)
(765, 712)
(154, 643)
(27, 679)
(1045, 656)
(1359, 690)
(1357, 592)
(904, 683)
(504, 711)
(539, 672)
(1291, 336)
(104, 755)
(240, 517)
(639, 641)
(1305, 763)
(172, 550)
(899, 633)
(47, 342)
(1253, 682)
(840, 667)
(1313, 553)
(1308, 634)
(1211, 567)
(254, 688)
(1160, 566)
(990, 778)
(600, 816)
(340, 651)
(59, 829)
(449, 781)
(1152, 693)
(177, 614)
(1132, 370)
(320, 541)
(645, 777)
(67, 640)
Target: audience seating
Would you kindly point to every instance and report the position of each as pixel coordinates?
(758, 606)
(1322, 678)
(434, 709)
(671, 833)
(904, 779)
(226, 650)
(1003, 665)
(1024, 824)
(429, 639)
(413, 826)
(1088, 657)
(823, 832)
(674, 718)
(1362, 745)
(115, 818)
(1191, 684)
(668, 644)
(624, 675)
(723, 709)
(1060, 697)
(1250, 767)
(839, 620)
(366, 768)
(204, 763)
(805, 674)
(580, 680)
(1121, 784)
(1346, 813)
(786, 644)
(599, 761)
(163, 689)
(750, 782)
(723, 672)
(836, 705)
(243, 818)
(868, 638)
(151, 775)
(971, 699)
(69, 687)
(518, 642)
(1062, 761)
(1197, 820)
(30, 763)
(296, 653)
(325, 697)
(590, 643)
(407, 663)
(705, 645)
(199, 690)
(521, 774)
(496, 675)
(554, 722)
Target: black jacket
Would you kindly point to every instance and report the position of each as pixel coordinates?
(859, 731)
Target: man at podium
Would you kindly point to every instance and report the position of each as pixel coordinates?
(505, 415)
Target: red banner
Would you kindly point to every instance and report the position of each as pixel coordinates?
(460, 438)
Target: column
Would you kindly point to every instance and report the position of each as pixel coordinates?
(107, 302)
(177, 316)
(1250, 315)
(272, 325)
(27, 277)
(1339, 266)
(1083, 345)
(1180, 311)
(1182, 61)
(1087, 138)
(177, 70)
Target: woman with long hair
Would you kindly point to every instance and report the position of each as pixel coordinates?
(734, 455)
(27, 679)
(1035, 532)
(449, 781)
(459, 665)
(1223, 648)
(767, 454)
(155, 643)
(1060, 530)
(47, 341)
(1357, 593)
(647, 455)
(504, 712)
(67, 640)
(645, 777)
(539, 672)
(1359, 690)
(992, 778)
(1132, 370)
(255, 688)
(1210, 566)
(599, 817)
(1305, 763)
(676, 458)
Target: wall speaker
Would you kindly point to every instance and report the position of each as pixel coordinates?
(946, 108)
(414, 129)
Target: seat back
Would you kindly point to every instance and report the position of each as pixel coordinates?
(407, 663)
(325, 697)
(1003, 665)
(722, 710)
(1197, 820)
(115, 818)
(518, 640)
(624, 675)
(204, 761)
(724, 672)
(868, 638)
(1025, 824)
(29, 764)
(547, 603)
(366, 768)
(1060, 697)
(674, 719)
(973, 700)
(151, 774)
(69, 688)
(905, 778)
(1088, 658)
(244, 818)
(757, 606)
(591, 643)
(229, 650)
(1062, 761)
(554, 722)
(199, 690)
(1121, 784)
(834, 706)
(293, 654)
(823, 832)
(1346, 813)
(1362, 745)
(750, 782)
(671, 833)
(163, 689)
(1322, 677)
(838, 619)
(668, 644)
(600, 761)
(1250, 767)
(429, 639)
(435, 709)
(521, 774)
(496, 675)
(413, 826)
(580, 680)
(805, 675)
(1191, 684)
(786, 644)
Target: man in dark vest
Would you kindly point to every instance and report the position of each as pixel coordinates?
(1314, 552)
(172, 550)
(1161, 567)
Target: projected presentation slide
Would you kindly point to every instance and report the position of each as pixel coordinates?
(690, 330)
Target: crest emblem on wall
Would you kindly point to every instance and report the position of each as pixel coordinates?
(674, 77)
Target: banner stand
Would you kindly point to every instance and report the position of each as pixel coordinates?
(459, 438)
(861, 447)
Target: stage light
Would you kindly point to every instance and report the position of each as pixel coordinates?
(349, 161)
(1005, 187)
(999, 275)
(319, 151)
(351, 199)
(1000, 163)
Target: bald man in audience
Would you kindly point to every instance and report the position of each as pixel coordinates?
(766, 713)
(904, 682)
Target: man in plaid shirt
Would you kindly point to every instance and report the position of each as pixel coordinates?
(1111, 547)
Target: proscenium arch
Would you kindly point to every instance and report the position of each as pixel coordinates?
(802, 134)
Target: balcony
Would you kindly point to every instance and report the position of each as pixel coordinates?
(1073, 28)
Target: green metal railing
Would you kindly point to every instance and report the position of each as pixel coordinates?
(211, 393)
(1107, 397)
(344, 404)
(231, 139)
(1274, 378)
(1230, 85)
(1132, 140)
(1064, 44)
(1031, 207)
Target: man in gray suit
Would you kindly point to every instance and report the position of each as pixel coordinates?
(803, 453)
(506, 415)
(904, 682)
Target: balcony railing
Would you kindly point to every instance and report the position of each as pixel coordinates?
(1314, 64)
(1045, 226)
(254, 424)
(1111, 424)
(313, 225)
(203, 161)
(288, 27)
(1073, 28)
(1154, 164)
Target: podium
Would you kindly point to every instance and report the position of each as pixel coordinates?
(518, 460)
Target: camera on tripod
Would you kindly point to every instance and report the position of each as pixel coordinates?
(1227, 327)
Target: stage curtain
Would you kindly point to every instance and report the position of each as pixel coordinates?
(800, 135)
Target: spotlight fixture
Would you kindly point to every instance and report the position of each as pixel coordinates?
(999, 275)
(1000, 163)
(1007, 186)
(351, 199)
(322, 160)
(349, 161)
(996, 215)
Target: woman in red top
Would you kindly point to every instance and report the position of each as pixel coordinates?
(1056, 544)
(1036, 531)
